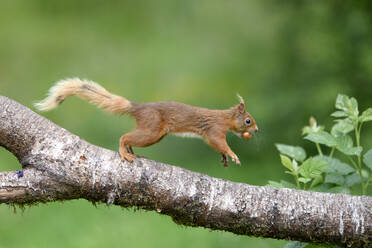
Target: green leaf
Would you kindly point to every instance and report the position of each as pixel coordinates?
(339, 189)
(365, 174)
(342, 127)
(298, 244)
(318, 167)
(305, 168)
(339, 114)
(295, 152)
(322, 137)
(295, 165)
(312, 167)
(286, 162)
(348, 104)
(341, 102)
(281, 184)
(295, 244)
(316, 181)
(320, 246)
(366, 115)
(367, 159)
(335, 179)
(304, 180)
(324, 187)
(352, 179)
(336, 166)
(275, 184)
(291, 173)
(354, 106)
(345, 145)
(356, 151)
(288, 184)
(344, 142)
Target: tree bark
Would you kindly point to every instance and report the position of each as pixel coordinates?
(58, 165)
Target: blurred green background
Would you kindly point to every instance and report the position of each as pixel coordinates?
(288, 59)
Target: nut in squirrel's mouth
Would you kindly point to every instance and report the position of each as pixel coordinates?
(246, 135)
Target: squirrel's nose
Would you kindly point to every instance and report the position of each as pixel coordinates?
(253, 129)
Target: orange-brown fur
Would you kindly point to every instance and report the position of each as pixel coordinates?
(156, 119)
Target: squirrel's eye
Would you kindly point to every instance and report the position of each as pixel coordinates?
(248, 121)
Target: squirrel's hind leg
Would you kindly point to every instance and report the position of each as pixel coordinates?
(129, 149)
(138, 138)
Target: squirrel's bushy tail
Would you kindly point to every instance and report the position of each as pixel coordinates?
(88, 90)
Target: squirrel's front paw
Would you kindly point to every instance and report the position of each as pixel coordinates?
(235, 159)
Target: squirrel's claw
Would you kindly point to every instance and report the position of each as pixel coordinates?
(128, 157)
(235, 159)
(225, 160)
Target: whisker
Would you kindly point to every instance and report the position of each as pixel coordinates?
(258, 139)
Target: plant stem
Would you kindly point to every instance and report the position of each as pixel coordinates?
(354, 163)
(297, 182)
(332, 151)
(367, 183)
(357, 138)
(364, 188)
(319, 149)
(358, 128)
(359, 170)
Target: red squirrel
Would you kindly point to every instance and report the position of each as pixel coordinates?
(156, 119)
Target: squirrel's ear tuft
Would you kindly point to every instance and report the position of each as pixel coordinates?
(240, 98)
(241, 105)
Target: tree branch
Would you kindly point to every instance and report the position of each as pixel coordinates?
(58, 165)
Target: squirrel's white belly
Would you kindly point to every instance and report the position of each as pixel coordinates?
(188, 135)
